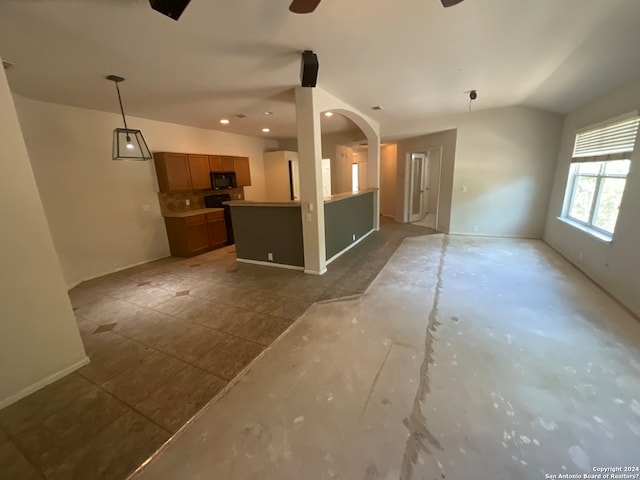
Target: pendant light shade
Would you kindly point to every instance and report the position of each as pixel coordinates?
(128, 144)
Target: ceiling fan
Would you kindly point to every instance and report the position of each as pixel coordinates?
(308, 6)
(174, 8)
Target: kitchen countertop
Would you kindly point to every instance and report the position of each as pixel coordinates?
(332, 198)
(251, 203)
(191, 213)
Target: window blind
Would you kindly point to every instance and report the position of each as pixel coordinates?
(611, 142)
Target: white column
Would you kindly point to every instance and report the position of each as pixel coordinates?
(310, 163)
(39, 338)
(373, 173)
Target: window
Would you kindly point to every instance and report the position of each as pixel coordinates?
(598, 174)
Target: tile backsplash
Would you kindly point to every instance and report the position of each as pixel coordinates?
(175, 202)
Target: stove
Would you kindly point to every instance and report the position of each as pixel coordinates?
(217, 201)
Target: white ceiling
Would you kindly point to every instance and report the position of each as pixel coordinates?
(223, 58)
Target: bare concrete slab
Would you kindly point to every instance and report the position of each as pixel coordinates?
(466, 358)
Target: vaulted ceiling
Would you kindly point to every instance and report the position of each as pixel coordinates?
(223, 58)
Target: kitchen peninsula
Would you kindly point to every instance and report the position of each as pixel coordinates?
(271, 232)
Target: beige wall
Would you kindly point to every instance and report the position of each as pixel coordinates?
(104, 215)
(341, 172)
(433, 179)
(39, 339)
(503, 169)
(276, 174)
(338, 148)
(614, 265)
(388, 173)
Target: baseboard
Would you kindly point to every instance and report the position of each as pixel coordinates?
(43, 383)
(269, 264)
(119, 269)
(349, 247)
(487, 235)
(315, 272)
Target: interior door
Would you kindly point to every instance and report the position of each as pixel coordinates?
(416, 193)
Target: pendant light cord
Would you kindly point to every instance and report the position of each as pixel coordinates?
(121, 108)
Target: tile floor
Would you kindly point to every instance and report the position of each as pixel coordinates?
(163, 339)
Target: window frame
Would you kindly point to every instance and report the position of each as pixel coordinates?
(597, 195)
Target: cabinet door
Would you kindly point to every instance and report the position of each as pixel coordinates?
(173, 172)
(215, 163)
(243, 173)
(196, 234)
(217, 232)
(228, 164)
(199, 170)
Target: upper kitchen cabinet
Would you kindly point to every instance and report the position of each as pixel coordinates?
(243, 173)
(199, 172)
(215, 163)
(179, 172)
(228, 164)
(173, 172)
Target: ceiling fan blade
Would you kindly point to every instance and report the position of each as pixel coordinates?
(170, 8)
(303, 6)
(450, 3)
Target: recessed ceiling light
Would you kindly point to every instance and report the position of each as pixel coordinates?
(266, 130)
(376, 107)
(268, 113)
(225, 121)
(328, 114)
(241, 115)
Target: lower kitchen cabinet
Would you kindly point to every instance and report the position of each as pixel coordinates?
(195, 234)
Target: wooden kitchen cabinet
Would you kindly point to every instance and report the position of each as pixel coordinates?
(217, 229)
(199, 172)
(228, 164)
(243, 173)
(196, 234)
(183, 172)
(172, 170)
(215, 163)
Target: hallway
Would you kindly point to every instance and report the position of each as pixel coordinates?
(466, 358)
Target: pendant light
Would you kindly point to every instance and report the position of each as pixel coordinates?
(128, 144)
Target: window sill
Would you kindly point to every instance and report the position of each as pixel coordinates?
(594, 233)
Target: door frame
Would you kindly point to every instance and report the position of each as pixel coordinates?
(409, 183)
(439, 150)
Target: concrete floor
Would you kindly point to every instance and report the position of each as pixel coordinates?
(466, 358)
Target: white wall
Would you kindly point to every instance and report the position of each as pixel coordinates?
(616, 265)
(94, 205)
(39, 339)
(388, 172)
(506, 159)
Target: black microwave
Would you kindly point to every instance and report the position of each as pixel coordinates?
(223, 180)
